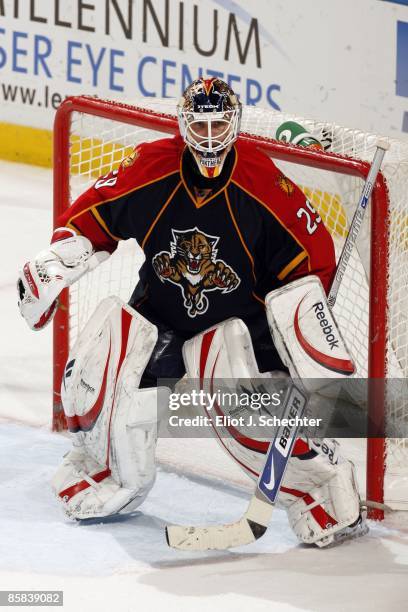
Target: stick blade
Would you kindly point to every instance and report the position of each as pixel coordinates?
(246, 530)
(213, 537)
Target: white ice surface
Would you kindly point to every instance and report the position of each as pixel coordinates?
(125, 564)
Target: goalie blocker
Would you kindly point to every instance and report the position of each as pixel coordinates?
(306, 335)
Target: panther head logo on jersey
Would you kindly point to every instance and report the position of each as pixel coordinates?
(192, 264)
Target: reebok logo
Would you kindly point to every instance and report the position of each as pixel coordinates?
(327, 328)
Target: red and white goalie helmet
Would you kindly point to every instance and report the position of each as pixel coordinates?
(209, 116)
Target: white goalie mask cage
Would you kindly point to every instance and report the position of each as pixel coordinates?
(210, 132)
(209, 117)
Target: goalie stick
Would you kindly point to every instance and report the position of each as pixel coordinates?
(255, 520)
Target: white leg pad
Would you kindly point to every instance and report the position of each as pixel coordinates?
(225, 353)
(319, 491)
(113, 422)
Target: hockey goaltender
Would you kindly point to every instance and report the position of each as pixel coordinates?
(221, 227)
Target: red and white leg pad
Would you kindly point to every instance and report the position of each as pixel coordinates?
(320, 493)
(225, 353)
(113, 423)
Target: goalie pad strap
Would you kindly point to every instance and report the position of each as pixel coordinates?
(319, 513)
(68, 493)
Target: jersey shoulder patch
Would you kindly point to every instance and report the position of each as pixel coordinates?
(256, 173)
(159, 157)
(148, 162)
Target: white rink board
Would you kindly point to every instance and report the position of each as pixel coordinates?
(319, 59)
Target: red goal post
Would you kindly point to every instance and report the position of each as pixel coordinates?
(341, 164)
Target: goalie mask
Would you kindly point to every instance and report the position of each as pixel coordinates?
(209, 116)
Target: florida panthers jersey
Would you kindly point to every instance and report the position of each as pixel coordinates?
(210, 254)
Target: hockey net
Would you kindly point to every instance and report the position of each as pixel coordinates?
(91, 138)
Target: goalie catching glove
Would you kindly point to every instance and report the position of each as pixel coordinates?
(41, 281)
